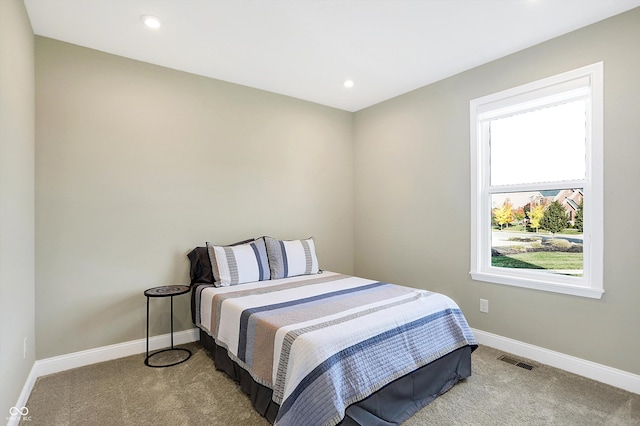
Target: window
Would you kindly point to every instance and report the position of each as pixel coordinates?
(537, 186)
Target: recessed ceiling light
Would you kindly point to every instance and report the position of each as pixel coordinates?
(151, 21)
(348, 83)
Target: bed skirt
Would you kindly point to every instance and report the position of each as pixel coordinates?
(391, 405)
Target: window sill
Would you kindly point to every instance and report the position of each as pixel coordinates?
(574, 290)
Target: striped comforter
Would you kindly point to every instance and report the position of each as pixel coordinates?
(323, 342)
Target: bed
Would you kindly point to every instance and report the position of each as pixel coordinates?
(323, 348)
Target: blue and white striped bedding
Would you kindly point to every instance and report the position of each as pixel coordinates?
(322, 342)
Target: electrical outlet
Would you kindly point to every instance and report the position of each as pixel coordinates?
(484, 306)
(24, 349)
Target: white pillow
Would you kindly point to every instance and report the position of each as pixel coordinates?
(291, 258)
(239, 264)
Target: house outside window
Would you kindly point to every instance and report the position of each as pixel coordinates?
(537, 186)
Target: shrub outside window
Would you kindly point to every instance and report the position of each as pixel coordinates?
(537, 186)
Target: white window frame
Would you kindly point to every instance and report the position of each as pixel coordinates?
(586, 83)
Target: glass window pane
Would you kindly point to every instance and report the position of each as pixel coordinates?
(544, 145)
(539, 230)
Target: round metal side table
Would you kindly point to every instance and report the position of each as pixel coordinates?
(165, 291)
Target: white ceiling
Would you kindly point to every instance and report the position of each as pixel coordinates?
(308, 48)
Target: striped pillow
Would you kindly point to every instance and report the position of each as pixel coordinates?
(239, 264)
(291, 258)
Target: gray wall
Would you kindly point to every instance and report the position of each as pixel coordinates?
(413, 188)
(16, 201)
(137, 164)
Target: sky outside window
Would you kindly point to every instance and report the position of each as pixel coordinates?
(543, 145)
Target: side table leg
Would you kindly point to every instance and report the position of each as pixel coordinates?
(171, 322)
(146, 360)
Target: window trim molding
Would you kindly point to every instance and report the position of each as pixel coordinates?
(591, 284)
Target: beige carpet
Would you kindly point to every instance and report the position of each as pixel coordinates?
(126, 392)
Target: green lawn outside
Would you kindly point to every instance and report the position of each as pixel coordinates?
(540, 260)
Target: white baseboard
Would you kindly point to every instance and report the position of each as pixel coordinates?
(14, 420)
(56, 364)
(601, 373)
(107, 353)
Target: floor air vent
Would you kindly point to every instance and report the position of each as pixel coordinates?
(515, 362)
